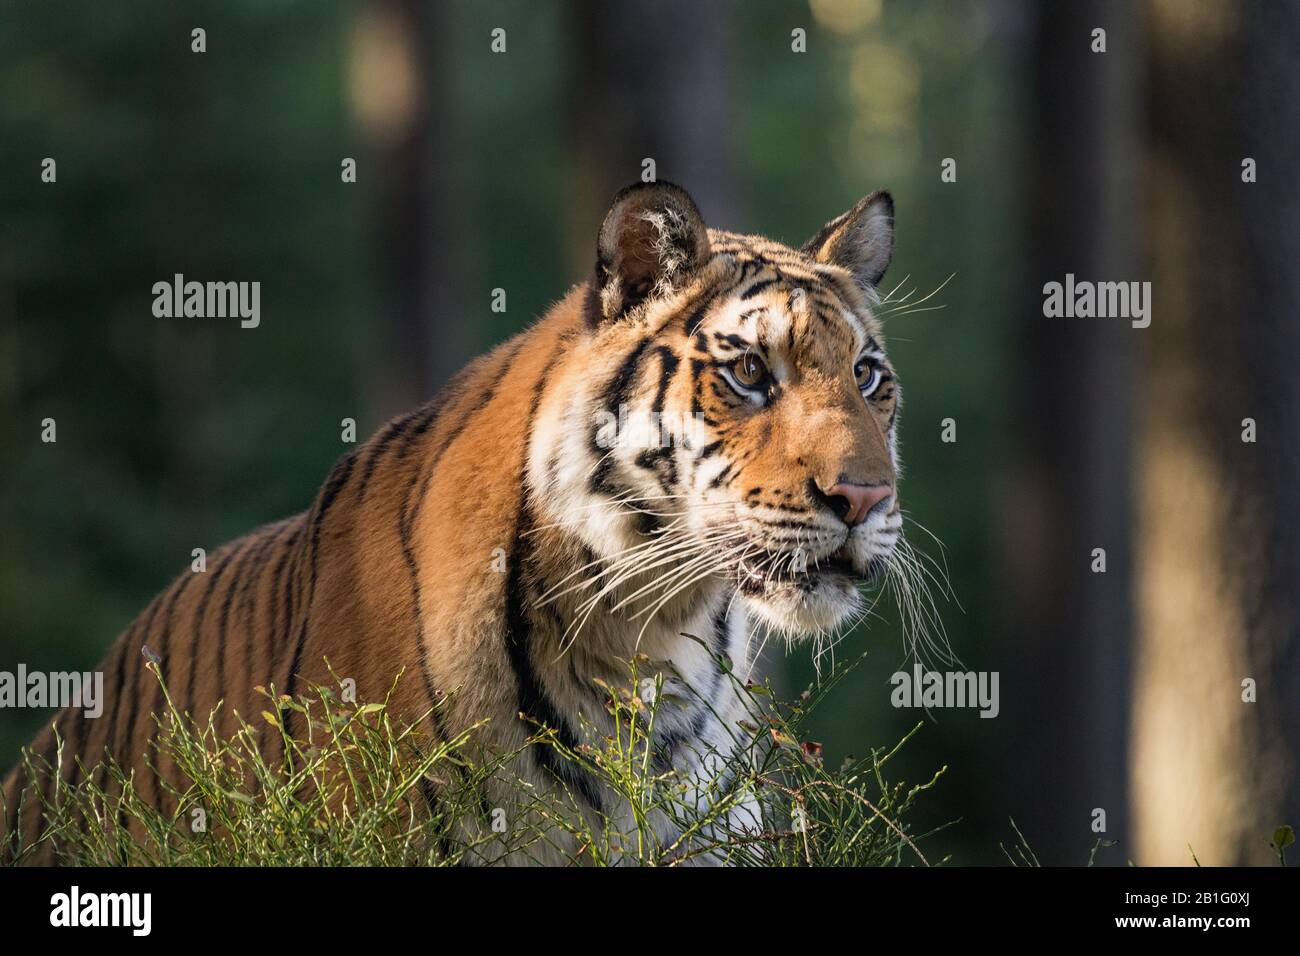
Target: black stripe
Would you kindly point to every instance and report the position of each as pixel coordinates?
(273, 610)
(665, 744)
(248, 605)
(292, 573)
(131, 655)
(248, 601)
(748, 268)
(430, 793)
(534, 702)
(669, 362)
(695, 314)
(338, 479)
(613, 396)
(164, 636)
(163, 652)
(662, 460)
(485, 398)
(196, 648)
(135, 665)
(428, 416)
(76, 740)
(380, 447)
(720, 645)
(117, 693)
(223, 617)
(273, 630)
(697, 383)
(842, 287)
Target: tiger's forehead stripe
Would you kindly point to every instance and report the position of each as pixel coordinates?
(783, 303)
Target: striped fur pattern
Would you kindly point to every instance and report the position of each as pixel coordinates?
(529, 530)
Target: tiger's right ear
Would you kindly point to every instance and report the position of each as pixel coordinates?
(861, 240)
(651, 243)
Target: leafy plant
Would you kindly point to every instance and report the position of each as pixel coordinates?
(359, 786)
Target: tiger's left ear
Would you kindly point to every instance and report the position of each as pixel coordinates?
(861, 240)
(651, 243)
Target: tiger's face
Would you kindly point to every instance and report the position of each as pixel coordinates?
(745, 409)
(798, 405)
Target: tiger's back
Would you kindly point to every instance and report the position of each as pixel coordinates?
(340, 582)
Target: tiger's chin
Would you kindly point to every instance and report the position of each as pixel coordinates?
(807, 604)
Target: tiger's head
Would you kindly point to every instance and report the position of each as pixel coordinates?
(730, 413)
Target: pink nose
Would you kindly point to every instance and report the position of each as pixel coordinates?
(861, 499)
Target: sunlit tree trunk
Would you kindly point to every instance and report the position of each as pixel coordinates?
(1216, 549)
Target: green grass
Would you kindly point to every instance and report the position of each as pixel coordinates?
(362, 787)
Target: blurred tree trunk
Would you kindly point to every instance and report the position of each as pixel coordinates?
(399, 78)
(651, 83)
(1217, 553)
(1069, 488)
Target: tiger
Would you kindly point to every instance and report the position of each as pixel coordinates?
(516, 540)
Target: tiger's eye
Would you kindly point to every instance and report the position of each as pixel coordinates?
(863, 371)
(869, 377)
(749, 370)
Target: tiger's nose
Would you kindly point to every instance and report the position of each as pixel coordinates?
(854, 502)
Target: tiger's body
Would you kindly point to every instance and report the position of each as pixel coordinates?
(508, 545)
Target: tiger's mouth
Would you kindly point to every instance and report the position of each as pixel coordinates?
(756, 579)
(800, 602)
